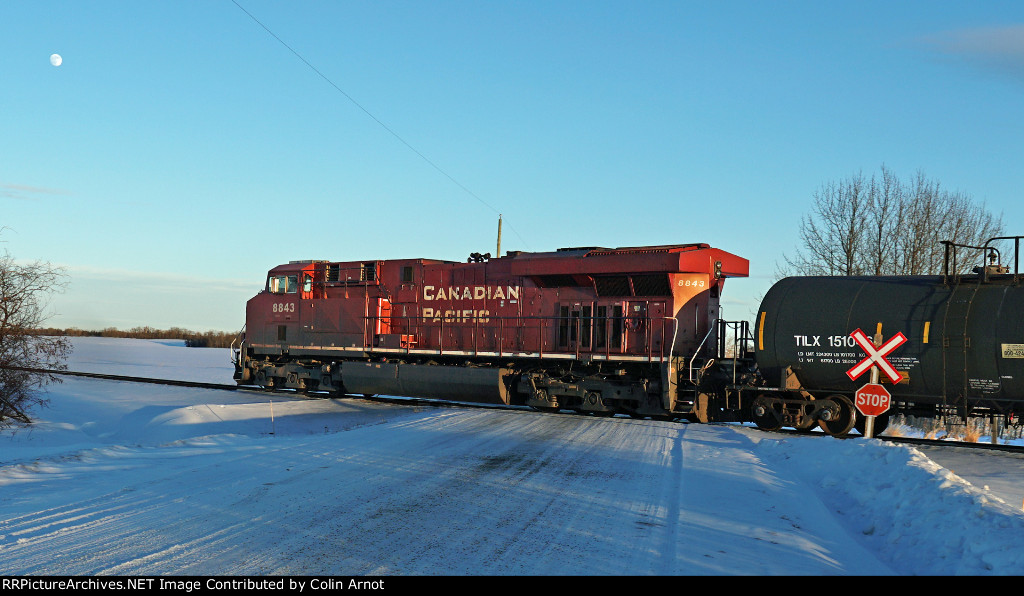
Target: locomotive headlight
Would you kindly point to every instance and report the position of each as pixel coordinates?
(718, 269)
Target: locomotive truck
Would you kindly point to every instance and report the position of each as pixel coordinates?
(634, 331)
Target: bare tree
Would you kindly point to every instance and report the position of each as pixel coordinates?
(23, 309)
(883, 226)
(885, 222)
(832, 234)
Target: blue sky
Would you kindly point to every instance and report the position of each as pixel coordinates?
(180, 150)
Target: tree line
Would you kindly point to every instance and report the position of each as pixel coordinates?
(884, 225)
(193, 339)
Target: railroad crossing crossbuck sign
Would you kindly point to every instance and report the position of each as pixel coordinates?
(876, 356)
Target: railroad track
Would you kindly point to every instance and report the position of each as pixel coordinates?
(961, 444)
(920, 441)
(444, 404)
(154, 381)
(254, 388)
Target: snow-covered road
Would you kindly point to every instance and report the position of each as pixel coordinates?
(120, 478)
(422, 492)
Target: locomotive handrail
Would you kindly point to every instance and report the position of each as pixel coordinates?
(414, 325)
(675, 332)
(711, 329)
(719, 324)
(236, 354)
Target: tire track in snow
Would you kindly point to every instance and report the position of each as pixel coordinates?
(441, 492)
(76, 536)
(673, 498)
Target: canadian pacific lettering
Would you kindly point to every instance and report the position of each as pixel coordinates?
(456, 316)
(431, 293)
(452, 294)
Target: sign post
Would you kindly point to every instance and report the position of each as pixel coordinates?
(872, 399)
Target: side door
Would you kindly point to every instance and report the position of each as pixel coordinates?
(575, 328)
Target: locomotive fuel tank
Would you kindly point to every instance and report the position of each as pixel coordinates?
(964, 335)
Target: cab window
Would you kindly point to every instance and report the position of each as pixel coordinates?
(283, 284)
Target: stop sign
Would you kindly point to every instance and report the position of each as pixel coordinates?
(872, 400)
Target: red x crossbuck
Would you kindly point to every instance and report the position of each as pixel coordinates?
(876, 356)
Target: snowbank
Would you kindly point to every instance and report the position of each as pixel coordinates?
(913, 512)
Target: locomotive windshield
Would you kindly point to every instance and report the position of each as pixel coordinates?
(283, 284)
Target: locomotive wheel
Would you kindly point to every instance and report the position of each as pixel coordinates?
(842, 422)
(881, 423)
(546, 409)
(765, 416)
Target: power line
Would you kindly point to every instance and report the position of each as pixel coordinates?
(370, 114)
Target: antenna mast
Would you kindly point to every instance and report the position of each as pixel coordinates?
(497, 254)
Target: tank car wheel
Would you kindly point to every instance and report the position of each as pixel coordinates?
(881, 423)
(841, 422)
(765, 416)
(807, 427)
(808, 423)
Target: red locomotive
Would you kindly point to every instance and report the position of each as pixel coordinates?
(597, 330)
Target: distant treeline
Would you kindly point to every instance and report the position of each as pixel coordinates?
(193, 339)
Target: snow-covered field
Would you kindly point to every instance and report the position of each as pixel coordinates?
(120, 478)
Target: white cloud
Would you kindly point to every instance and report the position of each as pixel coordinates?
(153, 280)
(27, 193)
(1000, 48)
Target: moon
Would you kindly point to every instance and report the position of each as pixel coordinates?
(55, 59)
